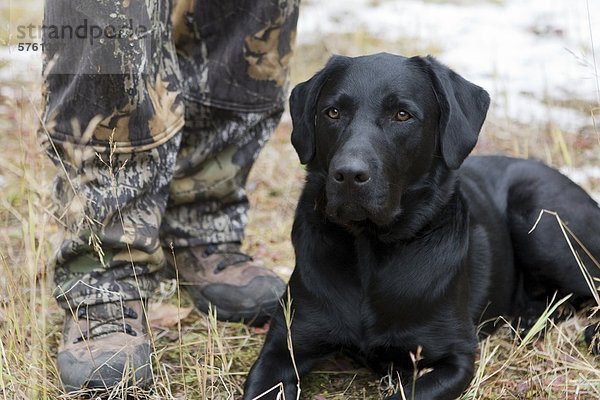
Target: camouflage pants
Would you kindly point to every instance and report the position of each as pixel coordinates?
(154, 114)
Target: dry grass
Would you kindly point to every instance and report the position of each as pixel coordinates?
(199, 358)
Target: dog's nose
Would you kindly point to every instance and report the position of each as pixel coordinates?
(352, 172)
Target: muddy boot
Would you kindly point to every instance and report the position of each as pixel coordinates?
(236, 286)
(105, 346)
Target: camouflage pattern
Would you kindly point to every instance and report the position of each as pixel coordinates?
(125, 88)
(208, 202)
(235, 54)
(110, 208)
(211, 75)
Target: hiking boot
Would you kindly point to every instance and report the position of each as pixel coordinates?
(105, 345)
(237, 287)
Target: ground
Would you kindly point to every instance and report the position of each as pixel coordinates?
(199, 358)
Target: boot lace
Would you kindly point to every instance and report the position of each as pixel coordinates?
(104, 319)
(231, 255)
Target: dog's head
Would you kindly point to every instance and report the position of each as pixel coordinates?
(373, 126)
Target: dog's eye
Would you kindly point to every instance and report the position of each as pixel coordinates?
(333, 113)
(402, 116)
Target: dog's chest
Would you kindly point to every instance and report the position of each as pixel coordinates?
(380, 338)
(369, 321)
(388, 310)
(378, 335)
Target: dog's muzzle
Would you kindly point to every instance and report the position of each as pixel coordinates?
(349, 187)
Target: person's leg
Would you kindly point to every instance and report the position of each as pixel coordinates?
(207, 214)
(111, 124)
(234, 60)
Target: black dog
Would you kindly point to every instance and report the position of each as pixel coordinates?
(397, 248)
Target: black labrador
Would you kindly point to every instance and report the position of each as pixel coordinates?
(402, 243)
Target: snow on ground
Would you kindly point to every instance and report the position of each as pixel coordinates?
(521, 51)
(19, 65)
(16, 68)
(583, 176)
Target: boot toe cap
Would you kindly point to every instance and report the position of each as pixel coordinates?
(106, 369)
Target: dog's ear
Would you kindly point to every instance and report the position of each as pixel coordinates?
(303, 103)
(463, 107)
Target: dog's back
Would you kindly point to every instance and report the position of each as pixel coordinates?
(527, 194)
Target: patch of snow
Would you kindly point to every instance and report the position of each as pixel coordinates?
(584, 176)
(520, 51)
(20, 65)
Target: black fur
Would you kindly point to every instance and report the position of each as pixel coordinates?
(400, 243)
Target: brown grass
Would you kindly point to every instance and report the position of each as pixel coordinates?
(201, 358)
